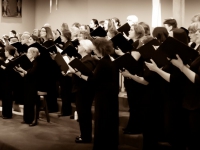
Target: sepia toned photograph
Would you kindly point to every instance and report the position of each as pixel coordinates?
(11, 8)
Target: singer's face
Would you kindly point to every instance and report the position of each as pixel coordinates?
(92, 25)
(43, 32)
(6, 53)
(106, 24)
(192, 36)
(197, 33)
(31, 41)
(80, 49)
(29, 55)
(132, 33)
(24, 40)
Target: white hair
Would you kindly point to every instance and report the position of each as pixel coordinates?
(87, 45)
(133, 19)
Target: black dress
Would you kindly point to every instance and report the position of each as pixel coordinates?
(84, 94)
(191, 106)
(105, 79)
(134, 95)
(49, 72)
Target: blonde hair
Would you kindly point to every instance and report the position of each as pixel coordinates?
(87, 45)
(34, 51)
(193, 27)
(25, 35)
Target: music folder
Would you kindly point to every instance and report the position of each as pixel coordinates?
(99, 31)
(52, 49)
(75, 43)
(21, 61)
(76, 63)
(120, 41)
(148, 52)
(70, 51)
(128, 62)
(61, 62)
(124, 29)
(172, 46)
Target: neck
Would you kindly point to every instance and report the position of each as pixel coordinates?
(83, 54)
(9, 57)
(31, 59)
(44, 38)
(30, 43)
(65, 41)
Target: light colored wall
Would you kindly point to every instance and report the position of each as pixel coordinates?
(192, 7)
(166, 9)
(36, 13)
(26, 23)
(83, 11)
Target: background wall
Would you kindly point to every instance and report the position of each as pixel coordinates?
(26, 23)
(35, 13)
(191, 9)
(83, 11)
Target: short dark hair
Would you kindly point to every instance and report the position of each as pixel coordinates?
(103, 46)
(11, 49)
(95, 22)
(14, 32)
(171, 22)
(67, 34)
(35, 38)
(117, 20)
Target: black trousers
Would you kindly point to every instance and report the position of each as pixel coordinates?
(84, 101)
(7, 102)
(66, 95)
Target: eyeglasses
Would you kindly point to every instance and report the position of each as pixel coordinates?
(198, 30)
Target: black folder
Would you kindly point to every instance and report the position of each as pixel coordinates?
(99, 31)
(52, 49)
(124, 29)
(148, 52)
(58, 40)
(128, 62)
(20, 48)
(171, 47)
(22, 60)
(38, 46)
(75, 43)
(70, 51)
(76, 63)
(120, 41)
(61, 62)
(148, 49)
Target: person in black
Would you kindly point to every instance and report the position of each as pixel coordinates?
(8, 80)
(191, 99)
(133, 88)
(31, 99)
(172, 92)
(65, 81)
(106, 84)
(49, 70)
(84, 94)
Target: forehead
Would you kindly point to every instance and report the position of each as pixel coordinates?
(43, 29)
